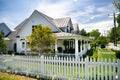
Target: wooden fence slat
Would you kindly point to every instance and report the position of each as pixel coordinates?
(67, 67)
(98, 69)
(91, 65)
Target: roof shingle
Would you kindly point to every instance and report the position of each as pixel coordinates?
(61, 22)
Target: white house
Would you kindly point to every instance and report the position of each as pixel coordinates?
(62, 27)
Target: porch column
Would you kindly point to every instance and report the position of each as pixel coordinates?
(55, 46)
(84, 44)
(81, 46)
(88, 45)
(76, 48)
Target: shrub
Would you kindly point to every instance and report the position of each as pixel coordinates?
(103, 45)
(118, 42)
(59, 49)
(95, 54)
(117, 54)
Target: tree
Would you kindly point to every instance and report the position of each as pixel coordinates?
(3, 43)
(116, 3)
(41, 38)
(111, 32)
(111, 35)
(102, 41)
(94, 33)
(83, 32)
(118, 20)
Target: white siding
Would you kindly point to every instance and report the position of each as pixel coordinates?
(26, 30)
(35, 19)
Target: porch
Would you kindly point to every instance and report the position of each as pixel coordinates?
(71, 44)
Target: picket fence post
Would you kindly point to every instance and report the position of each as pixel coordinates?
(42, 64)
(86, 68)
(118, 66)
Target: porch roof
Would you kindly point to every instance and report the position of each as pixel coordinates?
(63, 35)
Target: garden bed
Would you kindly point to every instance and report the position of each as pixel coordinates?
(9, 76)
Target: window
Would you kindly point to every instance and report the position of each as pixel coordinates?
(23, 44)
(33, 27)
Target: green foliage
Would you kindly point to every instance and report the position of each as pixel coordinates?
(41, 38)
(117, 53)
(91, 51)
(107, 56)
(111, 32)
(3, 43)
(111, 35)
(118, 42)
(118, 33)
(95, 54)
(116, 3)
(83, 32)
(118, 19)
(102, 41)
(95, 33)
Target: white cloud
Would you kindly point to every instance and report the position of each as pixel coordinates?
(106, 8)
(75, 0)
(102, 26)
(97, 16)
(62, 9)
(55, 10)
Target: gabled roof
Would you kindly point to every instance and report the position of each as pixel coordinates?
(61, 22)
(21, 24)
(49, 19)
(75, 27)
(5, 29)
(12, 35)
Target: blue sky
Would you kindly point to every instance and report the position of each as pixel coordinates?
(89, 14)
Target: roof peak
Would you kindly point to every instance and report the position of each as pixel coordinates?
(42, 14)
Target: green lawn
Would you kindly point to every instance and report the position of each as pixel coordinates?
(106, 53)
(107, 56)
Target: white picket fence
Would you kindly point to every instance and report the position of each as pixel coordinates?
(66, 68)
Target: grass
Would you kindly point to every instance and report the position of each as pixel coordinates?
(107, 56)
(106, 53)
(6, 76)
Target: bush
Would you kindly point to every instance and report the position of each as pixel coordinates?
(117, 54)
(95, 54)
(118, 42)
(103, 45)
(91, 51)
(59, 49)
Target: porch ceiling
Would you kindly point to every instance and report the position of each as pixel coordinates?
(63, 35)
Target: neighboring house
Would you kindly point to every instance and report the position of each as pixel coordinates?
(75, 29)
(5, 29)
(62, 27)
